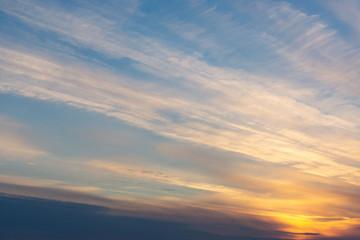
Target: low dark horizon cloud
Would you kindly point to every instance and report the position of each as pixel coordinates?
(37, 218)
(194, 222)
(25, 217)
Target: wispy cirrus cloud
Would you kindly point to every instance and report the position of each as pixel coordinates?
(239, 111)
(150, 110)
(314, 48)
(347, 12)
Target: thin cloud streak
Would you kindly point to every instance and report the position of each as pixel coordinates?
(12, 143)
(141, 109)
(315, 49)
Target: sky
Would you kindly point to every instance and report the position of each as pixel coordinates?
(189, 119)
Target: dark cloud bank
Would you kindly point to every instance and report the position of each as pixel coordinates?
(36, 218)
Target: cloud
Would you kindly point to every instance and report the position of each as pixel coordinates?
(296, 201)
(220, 107)
(198, 217)
(347, 12)
(285, 124)
(303, 201)
(45, 183)
(128, 104)
(13, 144)
(48, 218)
(314, 49)
(139, 172)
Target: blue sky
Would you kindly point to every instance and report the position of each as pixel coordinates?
(245, 108)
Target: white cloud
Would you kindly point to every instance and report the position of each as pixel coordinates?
(268, 118)
(314, 49)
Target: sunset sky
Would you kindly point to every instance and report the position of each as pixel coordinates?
(188, 119)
